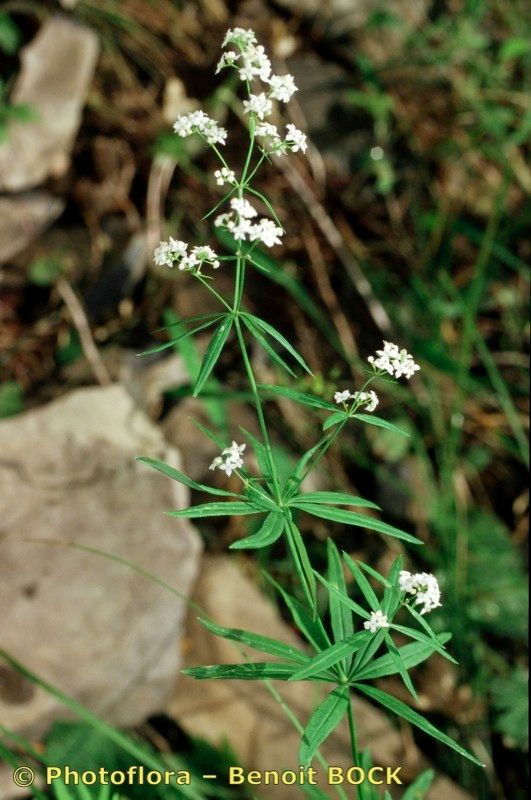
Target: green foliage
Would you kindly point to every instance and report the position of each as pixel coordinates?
(11, 399)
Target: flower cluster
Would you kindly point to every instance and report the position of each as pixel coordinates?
(378, 620)
(294, 139)
(425, 588)
(230, 459)
(201, 123)
(175, 253)
(394, 361)
(252, 62)
(369, 399)
(225, 175)
(238, 222)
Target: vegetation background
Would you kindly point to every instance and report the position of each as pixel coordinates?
(407, 221)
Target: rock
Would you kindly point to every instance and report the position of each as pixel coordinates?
(57, 69)
(245, 714)
(23, 219)
(94, 628)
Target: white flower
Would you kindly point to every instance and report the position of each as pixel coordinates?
(224, 175)
(394, 361)
(175, 253)
(266, 232)
(199, 122)
(295, 139)
(244, 38)
(424, 586)
(377, 620)
(269, 130)
(342, 397)
(282, 87)
(243, 207)
(168, 253)
(230, 459)
(228, 59)
(258, 104)
(238, 222)
(370, 399)
(256, 64)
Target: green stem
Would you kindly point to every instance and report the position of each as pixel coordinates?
(356, 759)
(300, 729)
(213, 292)
(259, 410)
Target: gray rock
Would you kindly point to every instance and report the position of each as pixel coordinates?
(57, 69)
(23, 219)
(92, 627)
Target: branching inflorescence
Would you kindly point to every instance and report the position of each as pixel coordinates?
(342, 654)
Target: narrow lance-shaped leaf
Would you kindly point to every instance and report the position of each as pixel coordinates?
(260, 338)
(269, 532)
(335, 498)
(213, 352)
(370, 419)
(223, 509)
(322, 722)
(301, 561)
(411, 654)
(352, 518)
(311, 628)
(177, 475)
(299, 397)
(340, 616)
(166, 345)
(421, 637)
(407, 713)
(347, 601)
(242, 672)
(262, 643)
(332, 655)
(269, 329)
(363, 583)
(335, 419)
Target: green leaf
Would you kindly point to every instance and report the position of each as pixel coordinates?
(255, 331)
(332, 655)
(411, 654)
(270, 530)
(140, 753)
(10, 36)
(419, 787)
(411, 716)
(399, 665)
(311, 628)
(340, 616)
(279, 338)
(213, 352)
(334, 498)
(322, 722)
(359, 520)
(366, 653)
(179, 476)
(361, 612)
(166, 345)
(224, 509)
(298, 397)
(363, 583)
(370, 419)
(301, 561)
(262, 643)
(335, 419)
(11, 399)
(421, 637)
(242, 672)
